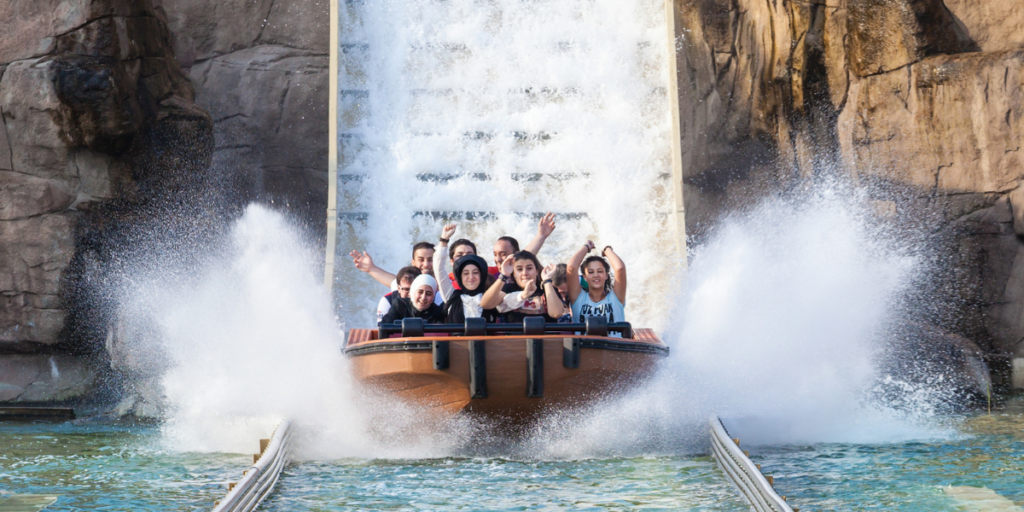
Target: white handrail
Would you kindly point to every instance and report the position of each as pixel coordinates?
(743, 473)
(259, 480)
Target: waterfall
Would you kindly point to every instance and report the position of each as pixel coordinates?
(490, 113)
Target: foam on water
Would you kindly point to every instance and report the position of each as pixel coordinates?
(775, 324)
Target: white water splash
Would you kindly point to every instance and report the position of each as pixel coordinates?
(776, 330)
(505, 109)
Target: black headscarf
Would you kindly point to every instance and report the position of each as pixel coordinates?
(453, 311)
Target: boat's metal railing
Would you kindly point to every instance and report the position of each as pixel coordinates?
(258, 481)
(755, 487)
(532, 325)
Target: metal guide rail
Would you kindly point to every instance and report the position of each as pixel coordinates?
(258, 481)
(743, 473)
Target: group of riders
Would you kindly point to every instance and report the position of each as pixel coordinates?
(450, 282)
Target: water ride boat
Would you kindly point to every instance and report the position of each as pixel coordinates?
(512, 372)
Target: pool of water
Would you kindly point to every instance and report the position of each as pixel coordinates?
(985, 461)
(97, 466)
(92, 466)
(102, 466)
(647, 483)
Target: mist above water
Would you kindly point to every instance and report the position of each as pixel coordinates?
(561, 106)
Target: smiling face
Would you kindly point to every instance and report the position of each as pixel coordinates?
(502, 250)
(424, 260)
(524, 271)
(461, 251)
(422, 297)
(470, 277)
(596, 275)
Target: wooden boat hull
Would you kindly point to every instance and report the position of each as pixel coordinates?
(520, 377)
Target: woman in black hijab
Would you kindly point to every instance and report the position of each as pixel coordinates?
(471, 275)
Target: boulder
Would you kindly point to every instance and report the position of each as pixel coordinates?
(260, 69)
(218, 27)
(270, 117)
(33, 253)
(947, 124)
(885, 35)
(920, 359)
(44, 377)
(23, 196)
(994, 25)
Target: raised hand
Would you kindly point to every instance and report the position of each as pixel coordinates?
(546, 225)
(448, 231)
(506, 266)
(548, 271)
(590, 245)
(362, 261)
(530, 288)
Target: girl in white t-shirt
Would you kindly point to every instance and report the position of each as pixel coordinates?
(606, 279)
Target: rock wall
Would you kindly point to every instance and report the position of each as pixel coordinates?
(98, 134)
(918, 102)
(260, 68)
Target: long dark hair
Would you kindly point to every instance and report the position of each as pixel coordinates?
(527, 255)
(607, 270)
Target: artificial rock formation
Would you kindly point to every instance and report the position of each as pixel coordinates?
(260, 69)
(919, 102)
(95, 114)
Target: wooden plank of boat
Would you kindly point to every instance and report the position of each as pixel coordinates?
(523, 375)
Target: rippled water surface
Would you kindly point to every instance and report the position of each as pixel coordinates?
(655, 483)
(927, 476)
(110, 467)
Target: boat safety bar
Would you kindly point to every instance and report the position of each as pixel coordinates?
(755, 487)
(258, 481)
(535, 325)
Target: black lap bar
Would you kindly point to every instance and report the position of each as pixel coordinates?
(478, 328)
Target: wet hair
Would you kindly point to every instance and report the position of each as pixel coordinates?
(607, 270)
(407, 273)
(421, 245)
(561, 275)
(512, 241)
(527, 255)
(457, 243)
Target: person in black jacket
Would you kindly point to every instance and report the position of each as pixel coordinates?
(419, 304)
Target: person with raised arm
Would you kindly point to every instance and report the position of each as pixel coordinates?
(507, 246)
(462, 297)
(606, 281)
(419, 303)
(522, 290)
(422, 258)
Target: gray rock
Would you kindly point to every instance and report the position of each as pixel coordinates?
(33, 253)
(44, 378)
(270, 115)
(23, 196)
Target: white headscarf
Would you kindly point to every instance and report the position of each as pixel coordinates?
(423, 280)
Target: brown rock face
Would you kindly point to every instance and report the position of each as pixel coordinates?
(260, 69)
(885, 35)
(95, 114)
(918, 101)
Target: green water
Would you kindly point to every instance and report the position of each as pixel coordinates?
(110, 467)
(94, 466)
(655, 483)
(987, 453)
